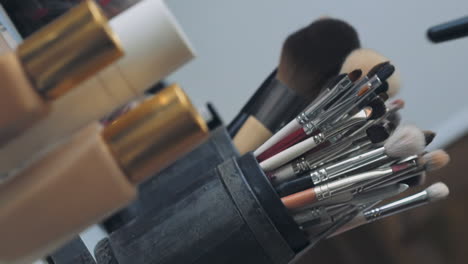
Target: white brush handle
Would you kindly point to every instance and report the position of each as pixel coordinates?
(292, 126)
(289, 154)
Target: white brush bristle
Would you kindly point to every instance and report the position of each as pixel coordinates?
(437, 191)
(402, 187)
(407, 140)
(436, 159)
(365, 59)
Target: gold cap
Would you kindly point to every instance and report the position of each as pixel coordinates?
(72, 48)
(155, 133)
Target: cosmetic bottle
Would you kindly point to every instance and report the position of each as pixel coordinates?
(51, 62)
(93, 174)
(154, 46)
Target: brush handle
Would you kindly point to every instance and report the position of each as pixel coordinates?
(286, 142)
(299, 199)
(294, 186)
(246, 110)
(447, 31)
(292, 152)
(292, 126)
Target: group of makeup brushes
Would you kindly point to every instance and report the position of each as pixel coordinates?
(324, 131)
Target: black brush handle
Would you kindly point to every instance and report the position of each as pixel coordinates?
(244, 113)
(448, 31)
(294, 186)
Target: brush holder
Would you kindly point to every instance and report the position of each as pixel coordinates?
(74, 252)
(229, 214)
(176, 179)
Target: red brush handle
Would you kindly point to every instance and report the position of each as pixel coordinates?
(288, 141)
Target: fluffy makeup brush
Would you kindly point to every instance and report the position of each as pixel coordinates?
(365, 59)
(309, 58)
(433, 193)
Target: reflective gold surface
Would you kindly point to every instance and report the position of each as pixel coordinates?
(72, 48)
(156, 133)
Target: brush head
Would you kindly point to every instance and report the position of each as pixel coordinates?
(396, 105)
(435, 160)
(383, 88)
(385, 72)
(314, 54)
(365, 59)
(383, 96)
(429, 136)
(377, 133)
(407, 140)
(437, 191)
(378, 108)
(355, 75)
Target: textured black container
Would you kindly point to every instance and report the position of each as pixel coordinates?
(176, 180)
(229, 214)
(74, 252)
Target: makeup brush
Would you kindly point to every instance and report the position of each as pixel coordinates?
(366, 89)
(314, 141)
(328, 189)
(406, 142)
(454, 29)
(309, 58)
(336, 86)
(433, 193)
(431, 161)
(310, 161)
(365, 59)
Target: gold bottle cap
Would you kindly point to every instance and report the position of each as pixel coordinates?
(157, 132)
(72, 48)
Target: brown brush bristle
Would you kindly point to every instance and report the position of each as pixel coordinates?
(355, 75)
(314, 54)
(363, 90)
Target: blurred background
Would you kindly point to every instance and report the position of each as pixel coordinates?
(238, 44)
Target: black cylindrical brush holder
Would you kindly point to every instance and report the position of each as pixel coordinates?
(230, 214)
(176, 179)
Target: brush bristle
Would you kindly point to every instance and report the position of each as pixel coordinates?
(377, 133)
(437, 191)
(407, 140)
(378, 108)
(314, 54)
(383, 88)
(377, 68)
(365, 59)
(355, 75)
(383, 96)
(429, 136)
(435, 160)
(385, 72)
(397, 104)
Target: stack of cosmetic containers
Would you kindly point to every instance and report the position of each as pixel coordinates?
(316, 151)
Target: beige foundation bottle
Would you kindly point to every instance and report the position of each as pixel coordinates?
(93, 174)
(51, 62)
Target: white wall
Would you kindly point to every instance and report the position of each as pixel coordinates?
(238, 44)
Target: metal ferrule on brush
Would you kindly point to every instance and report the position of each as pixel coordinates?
(332, 171)
(326, 190)
(317, 107)
(397, 206)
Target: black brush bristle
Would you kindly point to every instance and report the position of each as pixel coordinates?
(376, 68)
(394, 118)
(429, 136)
(378, 108)
(383, 88)
(385, 72)
(383, 96)
(377, 133)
